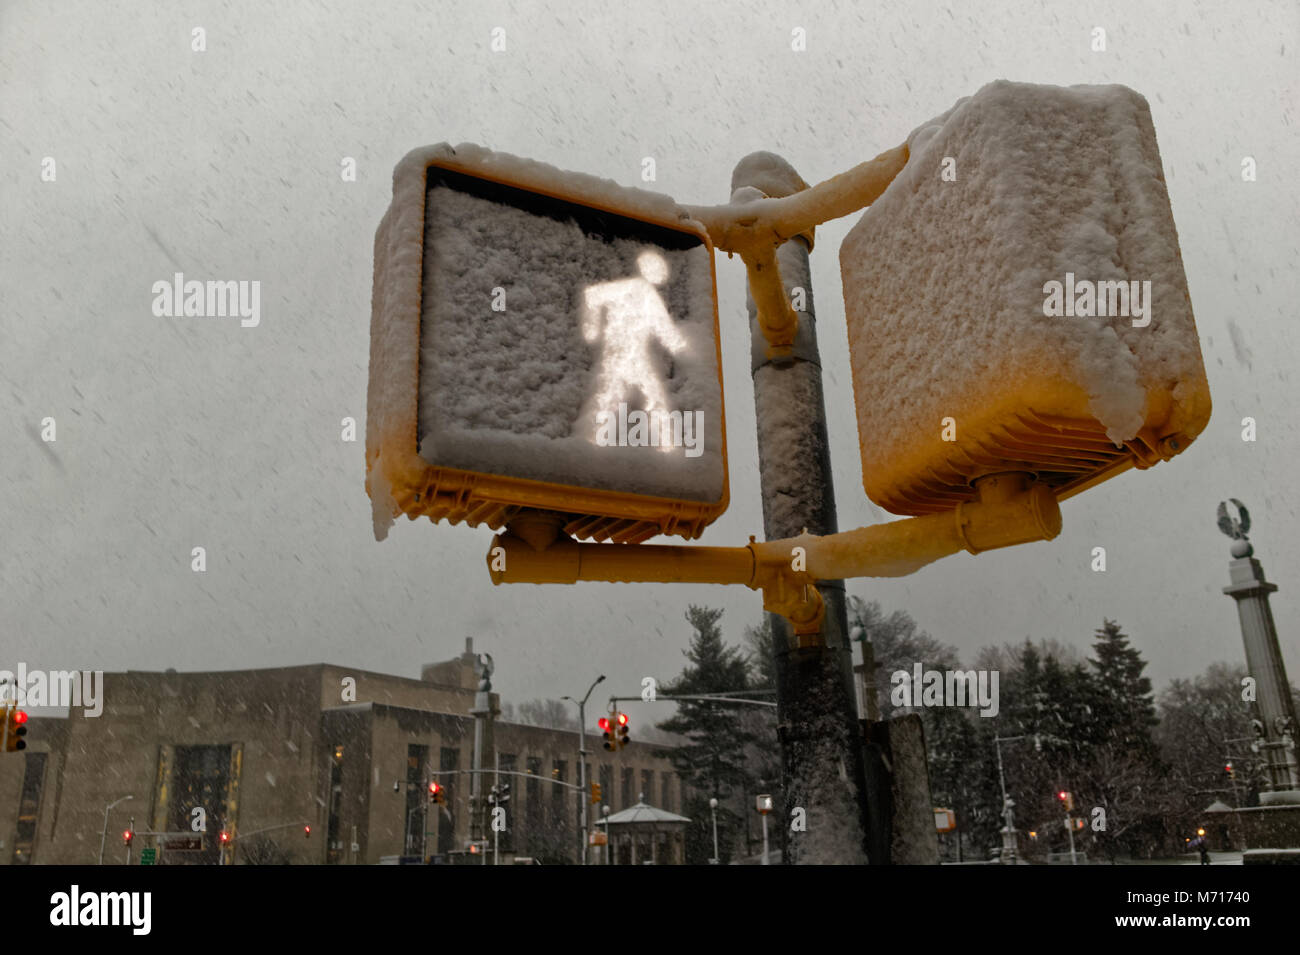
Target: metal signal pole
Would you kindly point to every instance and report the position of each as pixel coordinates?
(816, 715)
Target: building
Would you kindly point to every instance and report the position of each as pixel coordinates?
(261, 755)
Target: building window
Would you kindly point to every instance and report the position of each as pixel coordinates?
(606, 785)
(333, 844)
(448, 760)
(648, 786)
(201, 778)
(666, 791)
(559, 774)
(533, 794)
(29, 808)
(417, 799)
(629, 780)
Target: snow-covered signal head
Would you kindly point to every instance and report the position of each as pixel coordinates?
(1051, 334)
(542, 340)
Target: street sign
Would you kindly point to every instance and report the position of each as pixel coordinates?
(148, 856)
(597, 839)
(945, 820)
(1016, 301)
(183, 842)
(544, 340)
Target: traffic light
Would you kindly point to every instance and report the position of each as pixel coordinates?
(127, 836)
(1067, 800)
(608, 727)
(622, 730)
(437, 793)
(595, 794)
(223, 837)
(306, 831)
(16, 729)
(525, 265)
(1230, 770)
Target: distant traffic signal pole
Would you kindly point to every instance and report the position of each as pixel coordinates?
(582, 760)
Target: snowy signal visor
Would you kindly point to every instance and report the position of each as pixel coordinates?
(542, 339)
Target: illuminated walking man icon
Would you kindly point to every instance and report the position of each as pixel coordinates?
(629, 314)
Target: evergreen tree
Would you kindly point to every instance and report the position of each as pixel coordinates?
(712, 760)
(1125, 695)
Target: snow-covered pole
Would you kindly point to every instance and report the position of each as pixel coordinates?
(817, 722)
(770, 204)
(769, 219)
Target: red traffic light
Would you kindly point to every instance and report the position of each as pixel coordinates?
(307, 831)
(1062, 795)
(20, 717)
(603, 723)
(127, 836)
(622, 719)
(1228, 768)
(224, 837)
(433, 789)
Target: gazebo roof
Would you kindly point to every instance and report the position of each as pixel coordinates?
(1217, 806)
(642, 813)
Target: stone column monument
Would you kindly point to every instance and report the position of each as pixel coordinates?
(1275, 824)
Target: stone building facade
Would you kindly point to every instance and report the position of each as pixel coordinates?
(263, 754)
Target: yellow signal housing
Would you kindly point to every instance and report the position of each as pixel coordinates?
(404, 334)
(1016, 302)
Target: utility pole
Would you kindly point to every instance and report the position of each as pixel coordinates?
(822, 764)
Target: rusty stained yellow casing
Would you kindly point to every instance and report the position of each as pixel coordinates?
(418, 488)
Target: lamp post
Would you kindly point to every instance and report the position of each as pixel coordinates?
(713, 808)
(583, 797)
(104, 835)
(764, 806)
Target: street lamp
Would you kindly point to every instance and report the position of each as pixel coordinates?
(584, 798)
(104, 835)
(713, 808)
(764, 805)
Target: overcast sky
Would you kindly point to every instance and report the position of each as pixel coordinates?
(181, 432)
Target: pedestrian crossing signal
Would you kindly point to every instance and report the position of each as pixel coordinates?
(542, 340)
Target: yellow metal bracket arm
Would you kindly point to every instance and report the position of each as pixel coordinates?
(1011, 510)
